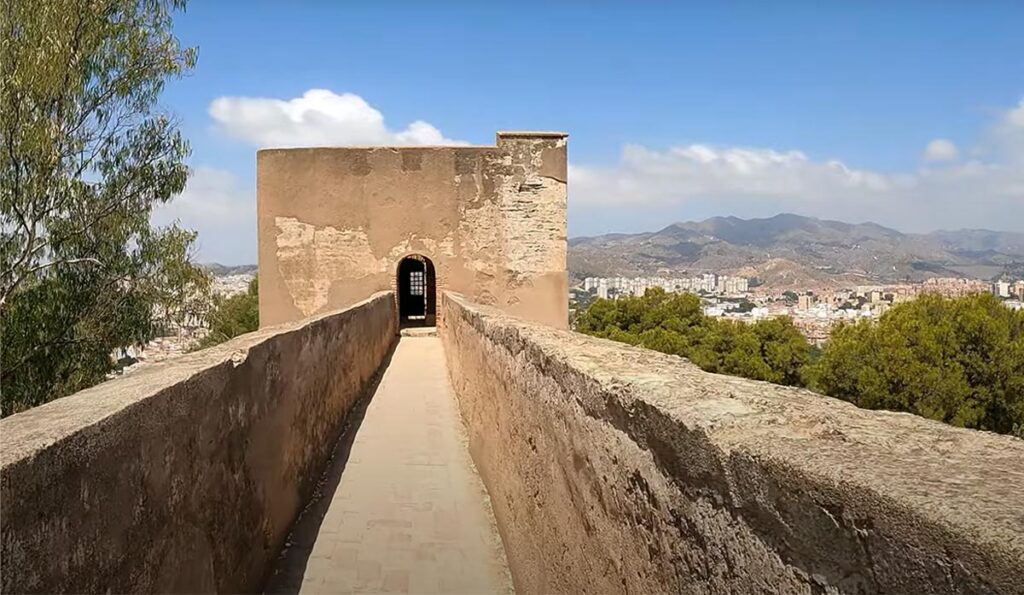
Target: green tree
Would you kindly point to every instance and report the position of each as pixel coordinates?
(233, 316)
(85, 156)
(772, 350)
(783, 349)
(960, 361)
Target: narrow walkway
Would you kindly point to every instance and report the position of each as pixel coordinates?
(402, 509)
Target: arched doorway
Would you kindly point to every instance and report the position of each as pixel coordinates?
(417, 295)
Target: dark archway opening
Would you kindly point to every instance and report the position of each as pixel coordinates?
(417, 294)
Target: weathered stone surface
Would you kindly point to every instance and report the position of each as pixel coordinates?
(335, 222)
(618, 469)
(185, 476)
(402, 508)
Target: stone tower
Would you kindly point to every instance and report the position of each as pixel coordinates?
(338, 224)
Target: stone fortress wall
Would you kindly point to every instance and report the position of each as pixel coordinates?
(186, 476)
(335, 222)
(615, 469)
(610, 469)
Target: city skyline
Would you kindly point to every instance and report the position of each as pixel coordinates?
(814, 312)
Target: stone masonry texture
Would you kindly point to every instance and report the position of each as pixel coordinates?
(404, 510)
(614, 469)
(186, 476)
(335, 222)
(608, 468)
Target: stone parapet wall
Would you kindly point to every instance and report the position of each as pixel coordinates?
(184, 476)
(618, 469)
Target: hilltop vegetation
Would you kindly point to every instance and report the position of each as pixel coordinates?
(232, 316)
(772, 350)
(87, 156)
(960, 361)
(956, 360)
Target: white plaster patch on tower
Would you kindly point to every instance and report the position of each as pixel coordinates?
(311, 258)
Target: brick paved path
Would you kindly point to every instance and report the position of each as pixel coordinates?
(403, 509)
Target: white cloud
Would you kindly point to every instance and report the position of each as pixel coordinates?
(681, 181)
(1015, 116)
(222, 210)
(318, 118)
(645, 188)
(1008, 135)
(645, 175)
(940, 149)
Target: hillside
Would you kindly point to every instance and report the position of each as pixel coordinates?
(787, 249)
(222, 270)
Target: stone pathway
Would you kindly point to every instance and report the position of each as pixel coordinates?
(403, 509)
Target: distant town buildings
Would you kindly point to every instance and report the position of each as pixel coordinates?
(709, 283)
(815, 314)
(229, 285)
(181, 338)
(954, 286)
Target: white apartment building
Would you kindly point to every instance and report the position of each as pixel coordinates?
(612, 287)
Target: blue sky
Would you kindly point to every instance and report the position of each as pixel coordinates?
(909, 114)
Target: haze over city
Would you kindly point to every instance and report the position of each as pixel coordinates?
(908, 115)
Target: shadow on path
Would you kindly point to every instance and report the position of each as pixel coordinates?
(290, 566)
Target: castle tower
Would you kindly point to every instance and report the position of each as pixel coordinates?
(338, 224)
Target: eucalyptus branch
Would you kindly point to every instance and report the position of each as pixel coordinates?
(85, 160)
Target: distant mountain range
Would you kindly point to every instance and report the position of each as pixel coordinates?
(792, 250)
(788, 251)
(223, 270)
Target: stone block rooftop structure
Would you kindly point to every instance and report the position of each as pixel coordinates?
(335, 224)
(336, 450)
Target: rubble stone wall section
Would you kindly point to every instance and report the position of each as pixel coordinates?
(618, 469)
(185, 476)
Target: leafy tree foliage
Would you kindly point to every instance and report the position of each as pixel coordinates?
(233, 316)
(960, 361)
(85, 156)
(772, 350)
